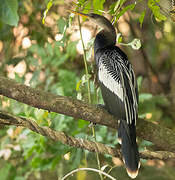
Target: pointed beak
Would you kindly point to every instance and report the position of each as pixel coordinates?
(78, 13)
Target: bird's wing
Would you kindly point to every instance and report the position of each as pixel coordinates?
(117, 74)
(129, 85)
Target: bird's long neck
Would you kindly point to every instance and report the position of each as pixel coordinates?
(106, 37)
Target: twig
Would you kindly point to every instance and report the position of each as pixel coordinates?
(87, 169)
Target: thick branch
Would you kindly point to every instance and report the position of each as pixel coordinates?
(8, 119)
(162, 137)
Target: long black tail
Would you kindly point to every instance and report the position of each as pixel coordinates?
(127, 134)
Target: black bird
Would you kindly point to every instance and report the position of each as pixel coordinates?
(119, 88)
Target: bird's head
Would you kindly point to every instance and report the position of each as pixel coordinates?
(96, 19)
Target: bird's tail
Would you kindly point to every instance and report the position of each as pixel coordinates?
(127, 137)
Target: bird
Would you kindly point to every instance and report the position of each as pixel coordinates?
(119, 90)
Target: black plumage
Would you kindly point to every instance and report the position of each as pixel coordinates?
(119, 89)
(124, 109)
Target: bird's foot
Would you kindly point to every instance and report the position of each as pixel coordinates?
(101, 106)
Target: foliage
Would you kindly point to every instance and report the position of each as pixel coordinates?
(54, 65)
(10, 16)
(8, 12)
(152, 4)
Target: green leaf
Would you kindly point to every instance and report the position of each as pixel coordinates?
(59, 43)
(146, 143)
(145, 96)
(154, 6)
(81, 2)
(67, 80)
(119, 4)
(71, 49)
(139, 81)
(19, 178)
(98, 4)
(49, 49)
(8, 12)
(78, 85)
(131, 7)
(141, 18)
(87, 7)
(4, 171)
(119, 38)
(62, 25)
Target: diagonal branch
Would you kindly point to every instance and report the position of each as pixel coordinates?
(162, 137)
(8, 119)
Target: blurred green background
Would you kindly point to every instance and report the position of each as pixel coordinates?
(50, 57)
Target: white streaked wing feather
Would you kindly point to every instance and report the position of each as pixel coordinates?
(114, 74)
(106, 78)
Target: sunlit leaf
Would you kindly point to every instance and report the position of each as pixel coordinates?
(81, 2)
(116, 5)
(78, 85)
(98, 4)
(119, 38)
(152, 4)
(141, 18)
(87, 7)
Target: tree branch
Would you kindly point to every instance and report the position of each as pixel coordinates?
(8, 119)
(162, 137)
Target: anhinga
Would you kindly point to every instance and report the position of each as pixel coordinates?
(119, 88)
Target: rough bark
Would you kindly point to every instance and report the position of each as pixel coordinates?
(8, 119)
(162, 137)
